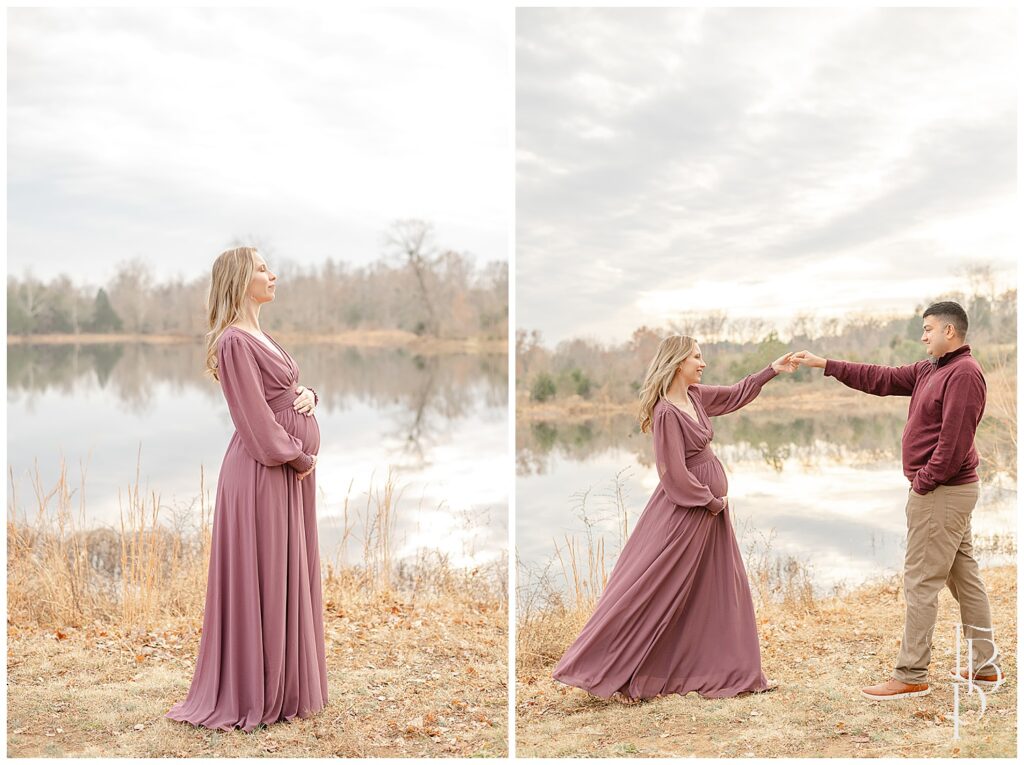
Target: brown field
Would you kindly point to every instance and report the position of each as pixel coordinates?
(416, 652)
(820, 651)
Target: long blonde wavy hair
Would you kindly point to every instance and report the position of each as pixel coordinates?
(232, 272)
(672, 352)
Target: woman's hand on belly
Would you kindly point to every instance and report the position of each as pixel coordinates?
(305, 401)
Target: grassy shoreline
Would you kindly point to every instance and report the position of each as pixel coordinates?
(818, 396)
(380, 338)
(805, 398)
(821, 652)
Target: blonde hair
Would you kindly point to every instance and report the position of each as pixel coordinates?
(232, 272)
(672, 352)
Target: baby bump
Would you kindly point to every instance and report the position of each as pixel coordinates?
(712, 474)
(302, 427)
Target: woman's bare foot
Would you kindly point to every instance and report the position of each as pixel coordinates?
(623, 699)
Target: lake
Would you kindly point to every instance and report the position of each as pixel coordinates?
(441, 422)
(826, 490)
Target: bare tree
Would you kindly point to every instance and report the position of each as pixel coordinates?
(712, 327)
(804, 325)
(412, 239)
(31, 293)
(981, 280)
(130, 293)
(686, 324)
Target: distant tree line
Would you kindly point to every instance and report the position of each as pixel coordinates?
(734, 348)
(415, 286)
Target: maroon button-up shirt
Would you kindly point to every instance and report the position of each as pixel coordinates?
(947, 400)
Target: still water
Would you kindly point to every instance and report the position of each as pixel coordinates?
(825, 490)
(439, 421)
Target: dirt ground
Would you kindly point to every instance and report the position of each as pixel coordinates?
(821, 659)
(424, 680)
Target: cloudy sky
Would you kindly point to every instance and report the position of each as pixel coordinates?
(761, 162)
(166, 134)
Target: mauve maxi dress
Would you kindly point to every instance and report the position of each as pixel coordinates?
(676, 615)
(261, 654)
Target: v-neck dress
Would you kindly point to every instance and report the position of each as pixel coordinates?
(261, 653)
(676, 614)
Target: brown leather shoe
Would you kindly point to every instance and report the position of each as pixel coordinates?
(895, 689)
(985, 681)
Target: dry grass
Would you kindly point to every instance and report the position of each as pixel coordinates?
(821, 651)
(103, 631)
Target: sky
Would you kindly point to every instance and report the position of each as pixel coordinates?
(764, 163)
(168, 134)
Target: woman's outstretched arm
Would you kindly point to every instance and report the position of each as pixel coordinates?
(722, 399)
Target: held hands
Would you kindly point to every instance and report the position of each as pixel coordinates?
(305, 401)
(796, 359)
(311, 468)
(786, 363)
(808, 359)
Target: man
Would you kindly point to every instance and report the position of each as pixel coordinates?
(947, 399)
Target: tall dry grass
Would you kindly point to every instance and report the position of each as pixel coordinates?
(997, 434)
(151, 569)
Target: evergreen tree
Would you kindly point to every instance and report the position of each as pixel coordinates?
(105, 318)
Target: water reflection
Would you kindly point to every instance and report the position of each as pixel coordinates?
(825, 490)
(440, 420)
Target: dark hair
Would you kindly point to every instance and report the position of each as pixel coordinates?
(951, 312)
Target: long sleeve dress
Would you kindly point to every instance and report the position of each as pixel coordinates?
(676, 615)
(261, 654)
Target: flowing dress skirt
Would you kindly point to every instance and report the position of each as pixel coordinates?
(676, 615)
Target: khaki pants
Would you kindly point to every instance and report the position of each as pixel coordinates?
(939, 552)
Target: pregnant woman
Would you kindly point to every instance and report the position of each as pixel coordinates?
(261, 654)
(676, 615)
